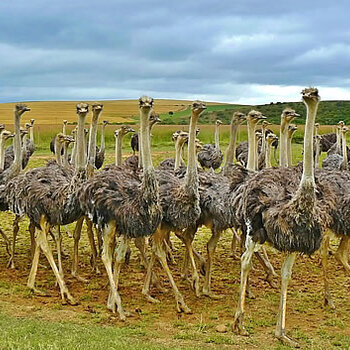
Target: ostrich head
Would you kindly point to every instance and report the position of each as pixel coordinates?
(199, 145)
(20, 108)
(154, 118)
(65, 122)
(2, 128)
(238, 117)
(289, 114)
(218, 122)
(344, 130)
(61, 138)
(97, 107)
(255, 117)
(180, 136)
(310, 96)
(125, 129)
(28, 126)
(265, 123)
(198, 107)
(146, 103)
(5, 135)
(82, 108)
(292, 128)
(271, 138)
(340, 125)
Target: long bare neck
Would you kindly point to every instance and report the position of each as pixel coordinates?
(92, 143)
(289, 150)
(268, 155)
(119, 149)
(103, 130)
(317, 152)
(231, 149)
(192, 174)
(65, 155)
(80, 156)
(74, 151)
(58, 149)
(217, 139)
(178, 151)
(308, 181)
(64, 129)
(283, 142)
(17, 164)
(263, 140)
(145, 145)
(338, 133)
(31, 134)
(345, 153)
(2, 153)
(251, 146)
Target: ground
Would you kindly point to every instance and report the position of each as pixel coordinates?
(29, 321)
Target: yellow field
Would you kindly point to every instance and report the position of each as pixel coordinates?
(120, 111)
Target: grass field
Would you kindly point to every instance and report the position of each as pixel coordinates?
(28, 321)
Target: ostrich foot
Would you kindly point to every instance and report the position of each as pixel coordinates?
(67, 298)
(269, 279)
(151, 299)
(182, 307)
(39, 292)
(237, 325)
(249, 294)
(287, 341)
(79, 278)
(328, 301)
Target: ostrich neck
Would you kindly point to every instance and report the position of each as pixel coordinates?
(263, 140)
(308, 181)
(283, 142)
(2, 153)
(217, 142)
(65, 155)
(80, 156)
(289, 150)
(24, 143)
(338, 140)
(231, 149)
(192, 174)
(31, 134)
(17, 164)
(58, 148)
(64, 129)
(178, 149)
(345, 153)
(268, 156)
(74, 152)
(251, 146)
(119, 146)
(103, 129)
(317, 151)
(92, 143)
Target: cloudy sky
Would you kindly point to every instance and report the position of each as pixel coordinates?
(241, 51)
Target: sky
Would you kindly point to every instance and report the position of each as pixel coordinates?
(241, 51)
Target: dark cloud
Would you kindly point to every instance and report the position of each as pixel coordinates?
(229, 51)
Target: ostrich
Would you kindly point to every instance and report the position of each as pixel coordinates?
(289, 215)
(180, 202)
(119, 134)
(211, 156)
(118, 202)
(287, 116)
(4, 136)
(100, 153)
(64, 132)
(14, 169)
(292, 128)
(49, 198)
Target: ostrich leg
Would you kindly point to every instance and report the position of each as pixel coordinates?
(90, 233)
(342, 254)
(31, 229)
(324, 256)
(41, 240)
(75, 260)
(15, 224)
(107, 256)
(235, 241)
(246, 264)
(211, 246)
(7, 242)
(159, 253)
(286, 274)
(56, 232)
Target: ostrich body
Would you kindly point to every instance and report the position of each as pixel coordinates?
(289, 211)
(118, 202)
(49, 199)
(211, 156)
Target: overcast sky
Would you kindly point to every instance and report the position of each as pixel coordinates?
(240, 51)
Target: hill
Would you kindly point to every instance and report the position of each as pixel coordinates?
(175, 111)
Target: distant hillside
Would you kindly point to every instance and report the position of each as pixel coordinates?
(173, 111)
(329, 113)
